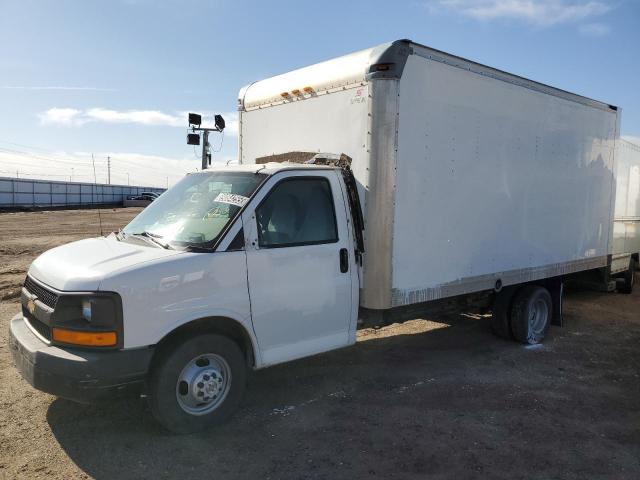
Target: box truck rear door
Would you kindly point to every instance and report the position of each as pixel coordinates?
(299, 265)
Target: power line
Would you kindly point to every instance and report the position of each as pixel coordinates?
(27, 146)
(83, 178)
(22, 164)
(37, 174)
(37, 148)
(39, 157)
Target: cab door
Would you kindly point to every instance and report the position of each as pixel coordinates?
(300, 266)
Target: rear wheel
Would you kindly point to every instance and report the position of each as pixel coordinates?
(629, 278)
(531, 313)
(501, 313)
(197, 383)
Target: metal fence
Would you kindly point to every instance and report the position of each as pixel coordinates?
(25, 193)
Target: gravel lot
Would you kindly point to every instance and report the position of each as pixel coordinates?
(442, 398)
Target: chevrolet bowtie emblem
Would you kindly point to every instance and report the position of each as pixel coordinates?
(31, 306)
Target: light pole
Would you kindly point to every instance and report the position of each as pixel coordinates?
(195, 120)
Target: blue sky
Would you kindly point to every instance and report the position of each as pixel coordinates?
(116, 78)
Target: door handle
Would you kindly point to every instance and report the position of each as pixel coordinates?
(344, 260)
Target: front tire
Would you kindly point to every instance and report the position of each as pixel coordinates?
(197, 382)
(531, 313)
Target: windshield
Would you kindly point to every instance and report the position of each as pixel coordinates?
(196, 210)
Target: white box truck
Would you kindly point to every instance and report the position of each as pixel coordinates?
(372, 188)
(626, 225)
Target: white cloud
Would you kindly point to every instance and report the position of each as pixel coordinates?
(142, 117)
(542, 13)
(594, 29)
(61, 116)
(75, 117)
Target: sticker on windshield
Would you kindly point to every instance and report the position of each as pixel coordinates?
(231, 199)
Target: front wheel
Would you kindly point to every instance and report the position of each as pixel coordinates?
(197, 383)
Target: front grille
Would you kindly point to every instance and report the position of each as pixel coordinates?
(37, 325)
(44, 295)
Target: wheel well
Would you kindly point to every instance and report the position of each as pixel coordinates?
(222, 325)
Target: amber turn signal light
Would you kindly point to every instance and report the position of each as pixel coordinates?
(383, 67)
(91, 339)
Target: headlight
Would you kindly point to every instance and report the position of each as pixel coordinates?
(93, 320)
(86, 310)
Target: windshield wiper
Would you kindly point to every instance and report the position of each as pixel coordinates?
(152, 237)
(197, 249)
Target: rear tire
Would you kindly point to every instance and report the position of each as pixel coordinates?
(531, 313)
(629, 278)
(501, 313)
(197, 382)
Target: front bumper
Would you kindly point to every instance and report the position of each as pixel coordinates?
(79, 375)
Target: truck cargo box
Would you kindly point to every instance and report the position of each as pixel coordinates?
(469, 177)
(626, 226)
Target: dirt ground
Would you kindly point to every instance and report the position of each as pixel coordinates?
(25, 235)
(438, 398)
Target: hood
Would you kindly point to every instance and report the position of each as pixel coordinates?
(81, 265)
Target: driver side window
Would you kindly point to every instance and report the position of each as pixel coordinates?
(298, 211)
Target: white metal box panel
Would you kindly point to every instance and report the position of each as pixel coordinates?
(495, 180)
(330, 75)
(330, 123)
(467, 174)
(626, 233)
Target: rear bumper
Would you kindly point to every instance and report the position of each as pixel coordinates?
(79, 375)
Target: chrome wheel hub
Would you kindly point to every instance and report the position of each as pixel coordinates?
(538, 316)
(203, 384)
(207, 385)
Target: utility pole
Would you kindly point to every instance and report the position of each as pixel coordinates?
(195, 120)
(205, 144)
(17, 174)
(71, 178)
(108, 170)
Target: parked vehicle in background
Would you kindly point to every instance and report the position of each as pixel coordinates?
(141, 200)
(152, 195)
(447, 185)
(143, 196)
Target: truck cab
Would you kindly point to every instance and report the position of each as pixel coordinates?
(232, 268)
